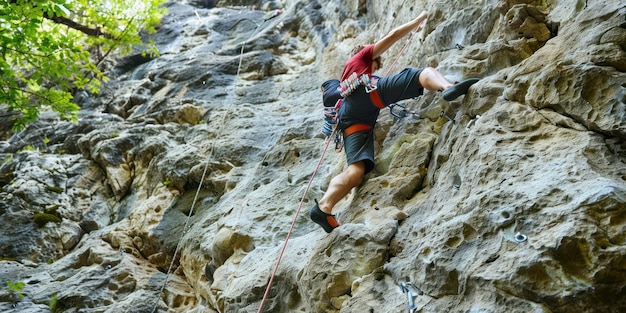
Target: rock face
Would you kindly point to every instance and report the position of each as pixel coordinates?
(176, 190)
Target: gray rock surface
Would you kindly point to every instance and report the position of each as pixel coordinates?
(177, 188)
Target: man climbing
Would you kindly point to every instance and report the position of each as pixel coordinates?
(360, 108)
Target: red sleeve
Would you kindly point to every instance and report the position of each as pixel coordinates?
(360, 63)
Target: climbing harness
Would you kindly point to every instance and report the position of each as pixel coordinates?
(346, 88)
(206, 167)
(350, 84)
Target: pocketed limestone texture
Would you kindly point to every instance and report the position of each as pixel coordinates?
(178, 186)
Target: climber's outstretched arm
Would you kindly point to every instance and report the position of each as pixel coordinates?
(396, 34)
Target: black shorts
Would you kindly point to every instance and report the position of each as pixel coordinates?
(401, 86)
(360, 147)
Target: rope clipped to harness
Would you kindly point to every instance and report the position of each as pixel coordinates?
(349, 85)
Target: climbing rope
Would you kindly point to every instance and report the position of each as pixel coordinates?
(293, 223)
(402, 112)
(193, 205)
(282, 251)
(206, 167)
(406, 45)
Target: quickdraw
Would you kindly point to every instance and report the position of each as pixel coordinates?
(330, 121)
(406, 288)
(330, 125)
(350, 84)
(399, 111)
(338, 141)
(443, 114)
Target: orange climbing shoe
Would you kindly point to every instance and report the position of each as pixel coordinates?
(458, 89)
(327, 221)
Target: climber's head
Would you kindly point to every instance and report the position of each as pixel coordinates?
(377, 63)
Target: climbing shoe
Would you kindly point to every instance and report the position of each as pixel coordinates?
(458, 89)
(327, 221)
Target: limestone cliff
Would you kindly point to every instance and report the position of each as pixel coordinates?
(178, 186)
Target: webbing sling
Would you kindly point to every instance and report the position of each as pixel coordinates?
(375, 97)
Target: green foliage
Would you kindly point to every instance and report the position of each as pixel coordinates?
(27, 148)
(50, 48)
(42, 218)
(54, 189)
(16, 288)
(53, 303)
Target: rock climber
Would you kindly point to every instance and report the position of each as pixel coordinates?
(359, 111)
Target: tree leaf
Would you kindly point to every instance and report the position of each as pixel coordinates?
(44, 58)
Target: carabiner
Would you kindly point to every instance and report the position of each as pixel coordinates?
(401, 113)
(338, 141)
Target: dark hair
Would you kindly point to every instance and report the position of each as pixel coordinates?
(379, 60)
(358, 48)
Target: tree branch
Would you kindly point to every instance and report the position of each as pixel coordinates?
(94, 32)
